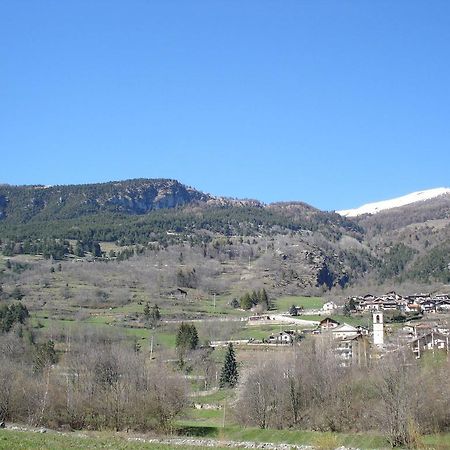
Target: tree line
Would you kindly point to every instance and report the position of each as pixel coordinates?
(254, 298)
(109, 384)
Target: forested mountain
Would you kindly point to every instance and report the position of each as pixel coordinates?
(21, 204)
(413, 241)
(138, 211)
(320, 248)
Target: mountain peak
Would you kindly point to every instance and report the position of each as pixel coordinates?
(373, 208)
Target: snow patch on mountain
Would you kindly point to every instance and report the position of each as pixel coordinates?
(373, 208)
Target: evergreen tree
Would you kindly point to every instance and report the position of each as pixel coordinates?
(346, 310)
(187, 339)
(151, 315)
(246, 301)
(235, 303)
(96, 250)
(9, 315)
(155, 315)
(293, 310)
(44, 355)
(193, 337)
(229, 375)
(147, 312)
(264, 298)
(79, 250)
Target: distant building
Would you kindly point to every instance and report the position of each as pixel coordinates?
(283, 337)
(378, 329)
(443, 305)
(344, 331)
(329, 306)
(429, 341)
(353, 350)
(328, 323)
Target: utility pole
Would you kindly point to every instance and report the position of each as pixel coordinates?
(214, 295)
(151, 346)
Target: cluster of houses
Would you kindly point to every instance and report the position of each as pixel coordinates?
(336, 330)
(356, 345)
(418, 303)
(359, 344)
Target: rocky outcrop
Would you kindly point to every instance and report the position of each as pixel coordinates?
(147, 196)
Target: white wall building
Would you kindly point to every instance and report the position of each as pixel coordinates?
(378, 328)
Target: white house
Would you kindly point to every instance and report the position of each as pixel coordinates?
(329, 306)
(283, 337)
(344, 331)
(443, 305)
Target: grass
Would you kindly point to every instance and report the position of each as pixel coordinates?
(351, 320)
(163, 338)
(216, 397)
(11, 439)
(55, 441)
(202, 418)
(439, 441)
(284, 303)
(100, 319)
(261, 331)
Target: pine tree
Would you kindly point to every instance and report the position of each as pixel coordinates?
(186, 339)
(229, 375)
(44, 355)
(147, 313)
(96, 250)
(79, 250)
(155, 315)
(246, 301)
(193, 337)
(264, 298)
(293, 310)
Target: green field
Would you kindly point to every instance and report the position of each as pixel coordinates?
(364, 321)
(260, 332)
(284, 303)
(217, 397)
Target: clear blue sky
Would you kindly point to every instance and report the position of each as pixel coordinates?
(335, 103)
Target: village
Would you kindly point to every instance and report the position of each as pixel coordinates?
(392, 323)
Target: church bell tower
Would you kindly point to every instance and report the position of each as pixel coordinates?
(378, 328)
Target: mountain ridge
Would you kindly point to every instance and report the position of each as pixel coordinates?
(306, 245)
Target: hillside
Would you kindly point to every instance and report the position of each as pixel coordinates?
(412, 241)
(296, 247)
(135, 306)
